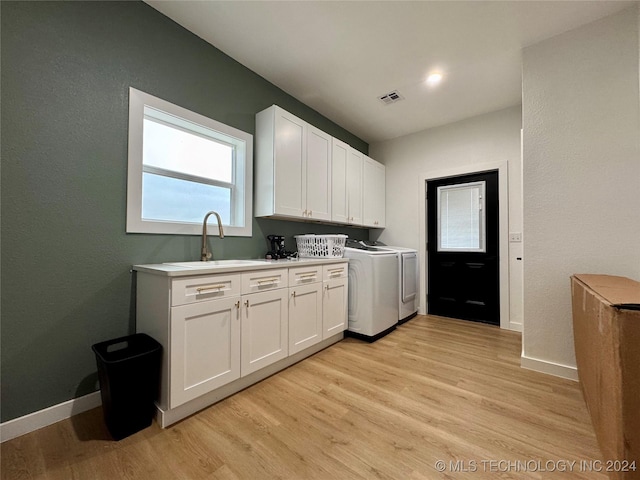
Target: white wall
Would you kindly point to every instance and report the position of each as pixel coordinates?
(581, 187)
(490, 138)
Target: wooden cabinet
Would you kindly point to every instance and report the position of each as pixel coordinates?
(205, 348)
(334, 299)
(373, 180)
(346, 183)
(293, 167)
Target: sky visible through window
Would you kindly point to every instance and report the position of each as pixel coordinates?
(175, 150)
(172, 199)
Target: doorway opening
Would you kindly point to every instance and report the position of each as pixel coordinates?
(463, 247)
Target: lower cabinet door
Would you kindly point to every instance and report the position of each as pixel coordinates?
(205, 348)
(264, 329)
(334, 307)
(305, 316)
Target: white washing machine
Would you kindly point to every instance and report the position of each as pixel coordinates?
(373, 292)
(408, 278)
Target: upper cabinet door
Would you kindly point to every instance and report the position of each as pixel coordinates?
(374, 193)
(290, 165)
(354, 186)
(339, 152)
(318, 174)
(303, 173)
(293, 167)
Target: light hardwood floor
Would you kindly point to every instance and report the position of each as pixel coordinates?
(434, 389)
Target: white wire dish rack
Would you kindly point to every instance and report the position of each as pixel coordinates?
(324, 246)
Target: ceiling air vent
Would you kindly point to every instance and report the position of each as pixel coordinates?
(391, 97)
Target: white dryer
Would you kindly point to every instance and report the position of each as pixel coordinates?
(373, 292)
(408, 278)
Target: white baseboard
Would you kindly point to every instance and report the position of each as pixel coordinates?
(42, 418)
(516, 327)
(550, 368)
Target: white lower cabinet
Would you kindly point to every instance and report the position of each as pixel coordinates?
(264, 329)
(334, 307)
(305, 316)
(334, 299)
(218, 331)
(205, 347)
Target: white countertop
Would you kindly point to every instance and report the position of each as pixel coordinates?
(169, 270)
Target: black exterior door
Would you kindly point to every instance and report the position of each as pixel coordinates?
(462, 247)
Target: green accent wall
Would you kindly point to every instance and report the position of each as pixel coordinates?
(66, 259)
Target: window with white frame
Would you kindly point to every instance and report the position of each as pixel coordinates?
(183, 165)
(461, 218)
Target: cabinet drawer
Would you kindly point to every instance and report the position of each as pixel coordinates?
(336, 270)
(305, 275)
(264, 280)
(202, 288)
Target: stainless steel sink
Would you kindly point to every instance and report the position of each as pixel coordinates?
(216, 263)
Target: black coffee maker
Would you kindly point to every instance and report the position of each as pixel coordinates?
(278, 249)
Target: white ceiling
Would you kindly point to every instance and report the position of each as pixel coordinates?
(338, 57)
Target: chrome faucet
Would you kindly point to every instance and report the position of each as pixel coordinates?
(206, 254)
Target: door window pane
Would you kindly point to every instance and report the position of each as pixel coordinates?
(461, 218)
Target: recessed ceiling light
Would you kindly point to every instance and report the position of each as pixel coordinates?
(434, 79)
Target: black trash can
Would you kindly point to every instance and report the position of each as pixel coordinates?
(129, 372)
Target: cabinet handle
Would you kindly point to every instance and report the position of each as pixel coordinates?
(238, 304)
(310, 212)
(305, 276)
(269, 280)
(304, 214)
(335, 270)
(293, 294)
(246, 303)
(217, 286)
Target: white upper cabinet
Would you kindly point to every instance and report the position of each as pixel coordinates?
(318, 175)
(293, 167)
(355, 161)
(346, 184)
(374, 193)
(305, 174)
(339, 209)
